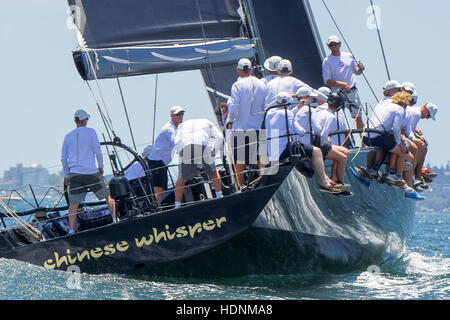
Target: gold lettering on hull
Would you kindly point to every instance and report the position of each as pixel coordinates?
(189, 231)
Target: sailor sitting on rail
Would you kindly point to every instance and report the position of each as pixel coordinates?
(192, 142)
(322, 97)
(389, 120)
(329, 120)
(276, 127)
(284, 83)
(271, 65)
(412, 117)
(389, 89)
(307, 117)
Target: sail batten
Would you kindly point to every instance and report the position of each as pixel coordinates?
(122, 37)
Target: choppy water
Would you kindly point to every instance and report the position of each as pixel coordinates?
(422, 273)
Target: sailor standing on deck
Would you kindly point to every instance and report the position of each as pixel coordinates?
(80, 150)
(246, 109)
(338, 72)
(193, 144)
(162, 154)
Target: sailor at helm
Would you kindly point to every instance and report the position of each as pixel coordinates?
(318, 131)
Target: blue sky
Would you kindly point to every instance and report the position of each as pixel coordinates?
(40, 87)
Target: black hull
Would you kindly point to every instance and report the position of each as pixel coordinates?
(136, 244)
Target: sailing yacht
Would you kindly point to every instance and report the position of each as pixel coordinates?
(281, 224)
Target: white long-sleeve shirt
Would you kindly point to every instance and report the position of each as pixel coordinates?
(302, 119)
(80, 149)
(389, 118)
(339, 68)
(276, 127)
(197, 131)
(326, 122)
(164, 144)
(411, 119)
(281, 84)
(246, 107)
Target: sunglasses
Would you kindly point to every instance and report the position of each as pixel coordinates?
(333, 44)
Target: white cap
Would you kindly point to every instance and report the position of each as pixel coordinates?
(81, 114)
(285, 65)
(392, 84)
(244, 64)
(271, 64)
(323, 93)
(147, 151)
(333, 39)
(176, 110)
(409, 87)
(432, 109)
(304, 92)
(283, 97)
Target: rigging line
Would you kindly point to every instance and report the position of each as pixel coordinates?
(345, 41)
(154, 109)
(126, 113)
(207, 54)
(379, 39)
(100, 91)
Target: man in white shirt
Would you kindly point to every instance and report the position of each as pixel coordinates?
(389, 89)
(322, 97)
(135, 171)
(284, 83)
(192, 142)
(271, 65)
(80, 150)
(162, 152)
(338, 72)
(412, 117)
(276, 129)
(390, 120)
(246, 109)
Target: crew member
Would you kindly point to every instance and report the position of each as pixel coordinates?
(276, 127)
(284, 83)
(271, 65)
(80, 150)
(162, 154)
(338, 72)
(193, 144)
(246, 109)
(318, 131)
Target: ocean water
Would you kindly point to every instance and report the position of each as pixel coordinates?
(422, 273)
